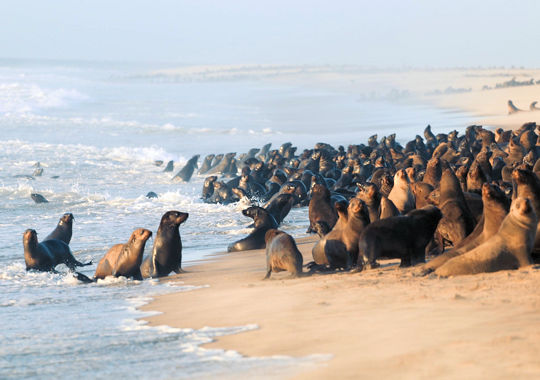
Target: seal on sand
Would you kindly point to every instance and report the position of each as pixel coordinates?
(63, 230)
(45, 256)
(401, 194)
(122, 259)
(282, 254)
(166, 254)
(262, 221)
(320, 207)
(404, 237)
(510, 248)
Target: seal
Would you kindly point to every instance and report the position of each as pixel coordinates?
(45, 256)
(281, 206)
(169, 167)
(496, 206)
(404, 237)
(510, 248)
(207, 164)
(512, 108)
(533, 106)
(63, 230)
(122, 259)
(527, 185)
(339, 248)
(320, 207)
(38, 198)
(166, 254)
(282, 254)
(401, 194)
(379, 206)
(457, 222)
(187, 171)
(262, 221)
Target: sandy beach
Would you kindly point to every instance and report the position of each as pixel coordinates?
(381, 323)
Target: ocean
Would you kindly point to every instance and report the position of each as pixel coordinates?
(96, 129)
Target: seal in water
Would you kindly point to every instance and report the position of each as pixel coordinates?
(404, 237)
(282, 254)
(63, 230)
(122, 259)
(510, 248)
(38, 198)
(187, 171)
(263, 221)
(45, 256)
(169, 167)
(166, 254)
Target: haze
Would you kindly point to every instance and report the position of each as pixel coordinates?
(390, 33)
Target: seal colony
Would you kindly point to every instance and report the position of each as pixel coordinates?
(469, 202)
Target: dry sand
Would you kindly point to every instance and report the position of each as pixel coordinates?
(382, 323)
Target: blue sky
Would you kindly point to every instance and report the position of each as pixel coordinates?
(387, 33)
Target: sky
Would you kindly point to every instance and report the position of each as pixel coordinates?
(387, 33)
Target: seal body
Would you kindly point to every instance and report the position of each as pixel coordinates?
(282, 254)
(262, 221)
(187, 171)
(166, 254)
(404, 237)
(45, 256)
(401, 194)
(63, 230)
(320, 207)
(38, 198)
(124, 259)
(510, 248)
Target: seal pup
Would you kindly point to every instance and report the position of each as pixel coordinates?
(45, 256)
(496, 207)
(63, 230)
(404, 237)
(122, 259)
(262, 221)
(510, 248)
(38, 198)
(166, 254)
(282, 254)
(187, 171)
(401, 194)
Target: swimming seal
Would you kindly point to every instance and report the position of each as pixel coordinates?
(38, 198)
(122, 259)
(510, 248)
(63, 230)
(45, 256)
(404, 237)
(262, 221)
(282, 254)
(187, 171)
(166, 254)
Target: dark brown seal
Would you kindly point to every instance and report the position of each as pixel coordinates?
(262, 221)
(166, 254)
(282, 254)
(320, 207)
(404, 237)
(510, 248)
(45, 256)
(63, 230)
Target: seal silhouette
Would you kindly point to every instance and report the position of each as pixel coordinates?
(63, 230)
(282, 254)
(122, 259)
(510, 248)
(262, 221)
(45, 256)
(166, 254)
(187, 171)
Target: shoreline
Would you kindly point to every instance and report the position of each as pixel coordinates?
(382, 323)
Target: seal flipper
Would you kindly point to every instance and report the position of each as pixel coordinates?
(83, 278)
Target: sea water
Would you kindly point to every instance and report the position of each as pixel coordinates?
(96, 130)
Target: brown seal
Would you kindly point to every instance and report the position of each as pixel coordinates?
(379, 206)
(124, 259)
(63, 230)
(320, 207)
(527, 185)
(510, 248)
(496, 206)
(339, 248)
(282, 254)
(45, 256)
(401, 194)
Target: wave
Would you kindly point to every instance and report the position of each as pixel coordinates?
(23, 98)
